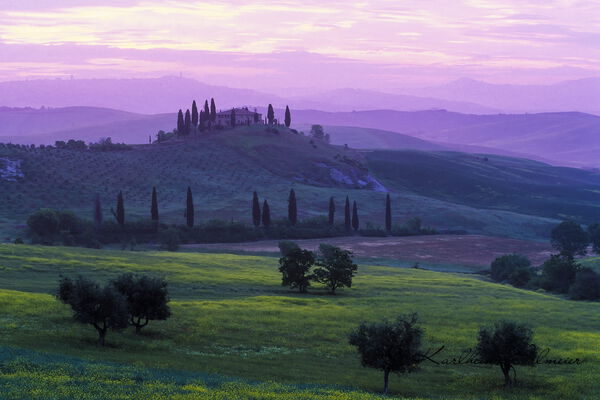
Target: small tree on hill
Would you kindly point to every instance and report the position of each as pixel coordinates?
(331, 211)
(388, 213)
(180, 123)
(511, 268)
(507, 344)
(189, 210)
(317, 132)
(194, 114)
(266, 215)
(295, 269)
(256, 210)
(288, 117)
(347, 219)
(335, 267)
(292, 208)
(120, 213)
(594, 236)
(154, 206)
(270, 115)
(355, 221)
(570, 239)
(103, 308)
(187, 123)
(147, 299)
(390, 346)
(98, 211)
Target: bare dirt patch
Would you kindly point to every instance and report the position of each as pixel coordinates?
(471, 251)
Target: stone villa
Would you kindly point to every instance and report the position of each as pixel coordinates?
(243, 116)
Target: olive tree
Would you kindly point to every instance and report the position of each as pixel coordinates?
(389, 346)
(147, 298)
(507, 344)
(102, 307)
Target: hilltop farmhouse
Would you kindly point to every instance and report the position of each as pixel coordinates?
(243, 116)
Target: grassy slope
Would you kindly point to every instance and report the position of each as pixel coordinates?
(448, 190)
(231, 317)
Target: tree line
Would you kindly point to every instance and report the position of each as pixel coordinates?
(50, 226)
(561, 273)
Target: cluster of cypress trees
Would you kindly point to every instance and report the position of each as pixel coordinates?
(197, 120)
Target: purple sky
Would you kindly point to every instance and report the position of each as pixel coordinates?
(276, 44)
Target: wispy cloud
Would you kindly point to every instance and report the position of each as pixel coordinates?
(492, 34)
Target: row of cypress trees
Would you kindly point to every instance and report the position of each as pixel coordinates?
(260, 216)
(351, 219)
(119, 213)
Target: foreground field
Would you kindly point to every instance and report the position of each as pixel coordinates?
(463, 253)
(233, 324)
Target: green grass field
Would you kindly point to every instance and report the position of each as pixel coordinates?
(501, 197)
(236, 333)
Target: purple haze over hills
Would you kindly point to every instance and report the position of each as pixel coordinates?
(162, 95)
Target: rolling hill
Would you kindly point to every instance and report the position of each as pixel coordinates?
(565, 138)
(448, 190)
(570, 139)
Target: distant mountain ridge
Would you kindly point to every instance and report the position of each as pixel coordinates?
(576, 95)
(161, 95)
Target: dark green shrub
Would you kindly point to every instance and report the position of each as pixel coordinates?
(511, 268)
(558, 274)
(570, 239)
(586, 285)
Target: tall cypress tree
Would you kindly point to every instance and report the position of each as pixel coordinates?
(292, 208)
(266, 215)
(194, 114)
(97, 211)
(388, 213)
(189, 210)
(201, 121)
(331, 211)
(154, 206)
(255, 210)
(270, 115)
(180, 122)
(187, 123)
(207, 114)
(355, 223)
(213, 111)
(347, 220)
(288, 117)
(120, 213)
